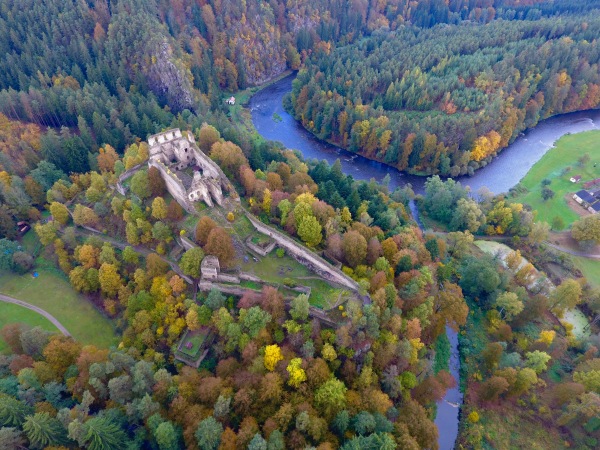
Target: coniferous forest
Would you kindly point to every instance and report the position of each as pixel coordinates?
(447, 99)
(286, 358)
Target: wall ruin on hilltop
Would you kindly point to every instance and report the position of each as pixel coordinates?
(172, 152)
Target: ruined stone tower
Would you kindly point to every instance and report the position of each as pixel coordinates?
(189, 174)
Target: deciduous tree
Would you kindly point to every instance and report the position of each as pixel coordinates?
(272, 356)
(157, 185)
(209, 434)
(355, 248)
(310, 231)
(140, 184)
(159, 208)
(566, 296)
(220, 244)
(203, 228)
(190, 262)
(509, 304)
(586, 231)
(110, 280)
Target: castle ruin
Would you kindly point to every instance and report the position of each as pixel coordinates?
(189, 174)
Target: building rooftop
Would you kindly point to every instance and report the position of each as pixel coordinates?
(592, 183)
(586, 196)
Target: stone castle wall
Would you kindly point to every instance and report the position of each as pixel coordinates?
(171, 148)
(305, 256)
(174, 185)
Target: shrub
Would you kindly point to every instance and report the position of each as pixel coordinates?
(280, 252)
(289, 282)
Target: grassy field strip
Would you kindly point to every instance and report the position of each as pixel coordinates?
(53, 293)
(590, 269)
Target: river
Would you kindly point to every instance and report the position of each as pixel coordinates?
(498, 176)
(272, 121)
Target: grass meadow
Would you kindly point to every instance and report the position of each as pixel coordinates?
(52, 292)
(552, 166)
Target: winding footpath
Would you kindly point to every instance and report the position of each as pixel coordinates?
(46, 314)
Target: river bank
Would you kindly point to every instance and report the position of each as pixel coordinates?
(499, 176)
(566, 159)
(272, 122)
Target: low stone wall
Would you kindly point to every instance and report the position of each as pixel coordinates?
(204, 160)
(334, 262)
(249, 277)
(226, 278)
(302, 289)
(225, 289)
(120, 188)
(305, 256)
(262, 251)
(186, 243)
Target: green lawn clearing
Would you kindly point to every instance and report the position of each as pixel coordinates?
(10, 313)
(590, 269)
(552, 166)
(275, 270)
(196, 340)
(52, 292)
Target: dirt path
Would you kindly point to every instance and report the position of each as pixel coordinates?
(138, 248)
(47, 315)
(564, 242)
(575, 253)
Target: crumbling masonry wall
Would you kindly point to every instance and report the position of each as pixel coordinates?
(172, 151)
(173, 184)
(305, 256)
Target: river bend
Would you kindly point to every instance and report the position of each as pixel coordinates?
(499, 176)
(272, 121)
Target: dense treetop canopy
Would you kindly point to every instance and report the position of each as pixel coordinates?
(447, 99)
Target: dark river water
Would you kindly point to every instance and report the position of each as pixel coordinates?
(498, 176)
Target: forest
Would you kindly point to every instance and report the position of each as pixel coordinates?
(447, 99)
(274, 377)
(119, 70)
(83, 85)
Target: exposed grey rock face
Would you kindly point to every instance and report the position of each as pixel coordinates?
(267, 59)
(169, 81)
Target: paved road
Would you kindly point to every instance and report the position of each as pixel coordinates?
(47, 315)
(575, 253)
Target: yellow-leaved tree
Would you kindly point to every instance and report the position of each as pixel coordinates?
(297, 373)
(486, 145)
(329, 353)
(272, 356)
(547, 337)
(415, 345)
